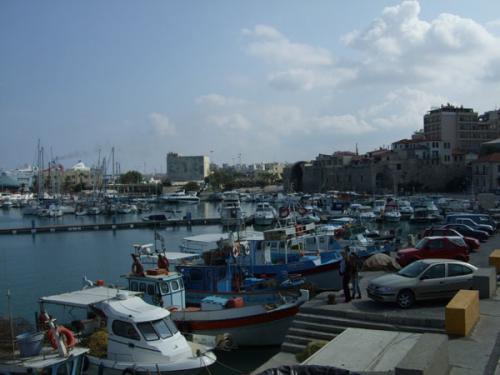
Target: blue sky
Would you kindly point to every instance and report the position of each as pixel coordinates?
(270, 80)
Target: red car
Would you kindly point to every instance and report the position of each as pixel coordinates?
(472, 242)
(435, 247)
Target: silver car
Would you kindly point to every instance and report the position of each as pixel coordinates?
(423, 279)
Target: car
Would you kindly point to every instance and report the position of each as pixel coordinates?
(452, 219)
(472, 243)
(466, 230)
(477, 218)
(422, 280)
(434, 247)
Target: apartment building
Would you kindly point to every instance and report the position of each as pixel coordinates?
(187, 168)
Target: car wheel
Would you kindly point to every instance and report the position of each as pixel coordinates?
(405, 299)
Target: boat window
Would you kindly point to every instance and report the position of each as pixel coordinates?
(164, 288)
(162, 329)
(171, 325)
(125, 329)
(148, 331)
(142, 287)
(174, 285)
(151, 289)
(133, 286)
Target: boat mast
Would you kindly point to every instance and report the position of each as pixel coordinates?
(11, 324)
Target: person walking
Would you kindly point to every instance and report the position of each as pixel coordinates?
(355, 265)
(345, 272)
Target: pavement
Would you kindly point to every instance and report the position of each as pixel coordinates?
(478, 353)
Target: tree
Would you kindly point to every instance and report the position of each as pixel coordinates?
(131, 177)
(191, 186)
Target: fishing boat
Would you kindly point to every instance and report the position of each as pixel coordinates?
(31, 356)
(229, 312)
(133, 337)
(278, 252)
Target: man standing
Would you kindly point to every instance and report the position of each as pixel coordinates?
(345, 272)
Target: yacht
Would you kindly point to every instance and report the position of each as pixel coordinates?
(265, 214)
(180, 197)
(231, 212)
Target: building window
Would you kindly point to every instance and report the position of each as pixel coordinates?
(398, 167)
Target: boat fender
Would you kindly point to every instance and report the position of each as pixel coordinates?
(67, 333)
(236, 250)
(246, 249)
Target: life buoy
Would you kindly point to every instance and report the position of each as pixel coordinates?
(284, 212)
(299, 229)
(70, 340)
(245, 249)
(236, 250)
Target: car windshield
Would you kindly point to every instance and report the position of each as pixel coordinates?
(420, 244)
(413, 270)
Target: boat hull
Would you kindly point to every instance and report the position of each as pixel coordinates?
(263, 328)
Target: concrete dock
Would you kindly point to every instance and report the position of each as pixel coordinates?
(112, 226)
(478, 353)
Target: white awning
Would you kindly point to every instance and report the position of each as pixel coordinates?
(86, 297)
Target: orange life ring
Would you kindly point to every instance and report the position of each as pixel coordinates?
(67, 333)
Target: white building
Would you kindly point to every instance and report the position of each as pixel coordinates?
(187, 168)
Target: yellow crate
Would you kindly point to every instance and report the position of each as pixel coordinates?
(495, 259)
(462, 312)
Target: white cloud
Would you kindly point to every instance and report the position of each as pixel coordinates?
(445, 51)
(219, 100)
(161, 125)
(342, 124)
(272, 46)
(235, 121)
(308, 79)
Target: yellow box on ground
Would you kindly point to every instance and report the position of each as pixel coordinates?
(462, 312)
(495, 259)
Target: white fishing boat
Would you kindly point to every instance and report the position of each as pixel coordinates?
(265, 214)
(179, 197)
(141, 338)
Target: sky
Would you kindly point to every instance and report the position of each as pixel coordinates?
(249, 81)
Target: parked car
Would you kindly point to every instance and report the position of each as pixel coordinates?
(471, 242)
(421, 280)
(451, 219)
(477, 218)
(435, 247)
(466, 230)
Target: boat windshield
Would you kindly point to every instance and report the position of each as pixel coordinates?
(162, 328)
(413, 269)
